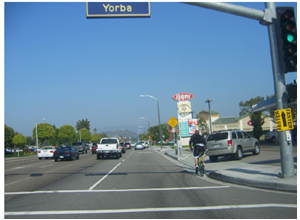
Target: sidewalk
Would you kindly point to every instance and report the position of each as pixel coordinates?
(238, 172)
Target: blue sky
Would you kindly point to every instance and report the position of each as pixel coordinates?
(63, 67)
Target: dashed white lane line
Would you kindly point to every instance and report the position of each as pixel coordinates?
(168, 209)
(115, 190)
(93, 186)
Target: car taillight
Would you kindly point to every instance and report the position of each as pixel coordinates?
(117, 146)
(55, 153)
(51, 151)
(229, 142)
(39, 152)
(68, 152)
(82, 147)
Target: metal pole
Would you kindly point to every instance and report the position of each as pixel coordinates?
(208, 101)
(160, 132)
(286, 148)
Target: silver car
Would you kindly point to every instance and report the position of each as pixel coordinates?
(139, 146)
(230, 142)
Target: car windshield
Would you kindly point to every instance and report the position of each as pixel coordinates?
(217, 136)
(109, 141)
(77, 144)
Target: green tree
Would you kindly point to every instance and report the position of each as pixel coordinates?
(85, 134)
(96, 138)
(255, 117)
(202, 124)
(82, 124)
(55, 140)
(143, 137)
(44, 132)
(30, 141)
(19, 140)
(66, 133)
(9, 134)
(154, 132)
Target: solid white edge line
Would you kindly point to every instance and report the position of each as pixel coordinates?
(115, 190)
(93, 186)
(169, 209)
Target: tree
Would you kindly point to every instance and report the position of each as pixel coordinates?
(255, 117)
(19, 140)
(44, 132)
(96, 138)
(55, 140)
(202, 124)
(95, 130)
(143, 137)
(66, 133)
(9, 134)
(85, 134)
(154, 132)
(82, 124)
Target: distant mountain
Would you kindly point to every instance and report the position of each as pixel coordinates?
(122, 132)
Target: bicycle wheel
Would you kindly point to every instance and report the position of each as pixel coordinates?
(201, 169)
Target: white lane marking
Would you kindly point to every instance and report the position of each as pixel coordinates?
(16, 168)
(44, 173)
(168, 209)
(115, 190)
(93, 186)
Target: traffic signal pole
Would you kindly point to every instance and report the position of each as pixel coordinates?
(267, 17)
(286, 147)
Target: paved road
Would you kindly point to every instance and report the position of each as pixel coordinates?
(141, 184)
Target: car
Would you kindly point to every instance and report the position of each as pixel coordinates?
(46, 152)
(66, 153)
(81, 147)
(7, 152)
(230, 143)
(123, 148)
(127, 145)
(270, 136)
(94, 148)
(138, 146)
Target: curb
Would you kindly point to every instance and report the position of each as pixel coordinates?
(246, 182)
(253, 183)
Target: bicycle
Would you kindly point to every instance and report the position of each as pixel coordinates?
(200, 162)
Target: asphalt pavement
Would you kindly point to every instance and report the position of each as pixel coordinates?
(237, 171)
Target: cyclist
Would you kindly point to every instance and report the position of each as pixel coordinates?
(197, 139)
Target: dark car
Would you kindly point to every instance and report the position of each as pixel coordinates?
(94, 148)
(123, 148)
(7, 152)
(127, 145)
(81, 147)
(66, 153)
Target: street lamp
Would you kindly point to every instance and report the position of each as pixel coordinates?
(160, 132)
(146, 119)
(208, 101)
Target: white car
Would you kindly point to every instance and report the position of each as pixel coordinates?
(46, 152)
(139, 146)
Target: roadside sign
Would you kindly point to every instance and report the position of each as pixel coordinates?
(284, 119)
(117, 9)
(173, 122)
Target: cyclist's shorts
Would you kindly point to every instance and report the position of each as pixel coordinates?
(198, 150)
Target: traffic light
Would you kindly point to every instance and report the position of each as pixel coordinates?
(287, 38)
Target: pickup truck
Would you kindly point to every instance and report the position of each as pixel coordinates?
(81, 147)
(109, 147)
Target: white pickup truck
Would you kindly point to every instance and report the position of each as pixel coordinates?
(109, 147)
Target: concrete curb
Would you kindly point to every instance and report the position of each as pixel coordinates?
(281, 186)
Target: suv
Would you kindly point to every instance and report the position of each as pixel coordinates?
(81, 147)
(230, 142)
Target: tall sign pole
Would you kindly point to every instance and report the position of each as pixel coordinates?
(286, 147)
(267, 17)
